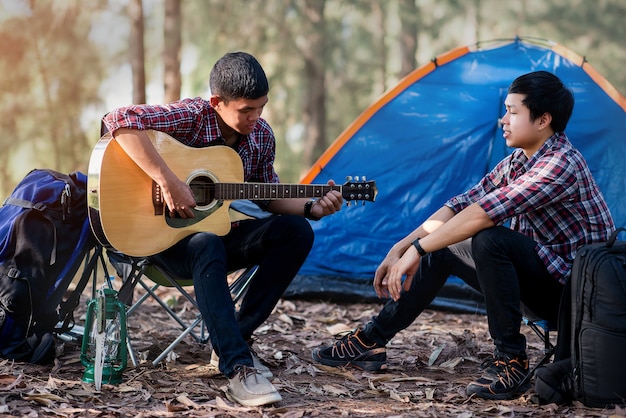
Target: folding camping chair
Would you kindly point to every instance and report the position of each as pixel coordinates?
(140, 271)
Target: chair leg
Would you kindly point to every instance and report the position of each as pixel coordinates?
(170, 312)
(543, 332)
(170, 347)
(239, 287)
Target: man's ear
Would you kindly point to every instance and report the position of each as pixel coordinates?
(214, 100)
(545, 121)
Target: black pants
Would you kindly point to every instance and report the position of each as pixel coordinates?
(501, 264)
(278, 245)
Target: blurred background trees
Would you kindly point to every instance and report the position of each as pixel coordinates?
(64, 63)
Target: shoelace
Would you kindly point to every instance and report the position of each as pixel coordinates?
(495, 363)
(509, 376)
(246, 371)
(506, 371)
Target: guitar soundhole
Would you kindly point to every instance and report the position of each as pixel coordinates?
(203, 190)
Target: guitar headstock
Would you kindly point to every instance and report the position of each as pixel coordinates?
(358, 188)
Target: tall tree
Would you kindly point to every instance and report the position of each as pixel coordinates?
(409, 17)
(312, 49)
(137, 55)
(379, 17)
(171, 50)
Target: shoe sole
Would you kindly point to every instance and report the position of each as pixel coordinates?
(514, 394)
(267, 399)
(370, 366)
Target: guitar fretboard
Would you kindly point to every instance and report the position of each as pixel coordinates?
(270, 191)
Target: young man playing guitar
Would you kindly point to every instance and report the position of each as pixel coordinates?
(277, 244)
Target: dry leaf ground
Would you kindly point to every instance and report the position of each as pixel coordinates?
(429, 365)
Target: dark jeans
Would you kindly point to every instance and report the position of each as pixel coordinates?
(278, 245)
(501, 264)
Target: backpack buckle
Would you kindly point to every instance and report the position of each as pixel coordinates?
(39, 206)
(13, 273)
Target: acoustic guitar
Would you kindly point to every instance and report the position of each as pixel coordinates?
(127, 211)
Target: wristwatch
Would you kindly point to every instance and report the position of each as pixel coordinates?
(419, 248)
(307, 211)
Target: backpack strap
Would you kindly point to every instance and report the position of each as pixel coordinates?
(66, 309)
(23, 203)
(40, 207)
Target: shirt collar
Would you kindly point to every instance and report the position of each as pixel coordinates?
(558, 139)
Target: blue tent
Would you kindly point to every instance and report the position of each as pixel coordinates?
(433, 136)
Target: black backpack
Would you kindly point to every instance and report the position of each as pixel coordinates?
(44, 236)
(594, 374)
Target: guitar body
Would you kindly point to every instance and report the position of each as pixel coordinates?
(120, 194)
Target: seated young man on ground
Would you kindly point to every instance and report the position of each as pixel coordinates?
(277, 244)
(546, 192)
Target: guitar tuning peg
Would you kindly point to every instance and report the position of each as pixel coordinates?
(363, 178)
(363, 203)
(348, 178)
(347, 203)
(356, 178)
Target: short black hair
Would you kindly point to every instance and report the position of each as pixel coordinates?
(545, 92)
(238, 75)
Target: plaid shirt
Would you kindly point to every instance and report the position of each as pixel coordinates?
(551, 198)
(194, 123)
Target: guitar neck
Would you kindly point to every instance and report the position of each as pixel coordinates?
(270, 191)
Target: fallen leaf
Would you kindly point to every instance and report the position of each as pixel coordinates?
(452, 363)
(336, 390)
(46, 399)
(430, 393)
(337, 329)
(337, 371)
(396, 397)
(10, 381)
(285, 318)
(184, 399)
(435, 354)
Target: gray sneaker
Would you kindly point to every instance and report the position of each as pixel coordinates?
(262, 368)
(248, 387)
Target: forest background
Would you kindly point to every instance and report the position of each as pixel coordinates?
(65, 63)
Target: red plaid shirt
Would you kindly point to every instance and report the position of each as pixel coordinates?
(194, 123)
(551, 198)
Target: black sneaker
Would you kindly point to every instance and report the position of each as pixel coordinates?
(501, 378)
(351, 349)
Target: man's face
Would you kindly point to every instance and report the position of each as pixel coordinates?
(519, 130)
(240, 115)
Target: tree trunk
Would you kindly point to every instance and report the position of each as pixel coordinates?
(171, 50)
(314, 115)
(135, 10)
(408, 36)
(381, 48)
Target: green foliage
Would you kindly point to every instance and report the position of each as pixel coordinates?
(49, 74)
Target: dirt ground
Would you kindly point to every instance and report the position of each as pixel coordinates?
(429, 366)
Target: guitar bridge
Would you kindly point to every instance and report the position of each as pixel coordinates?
(157, 199)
